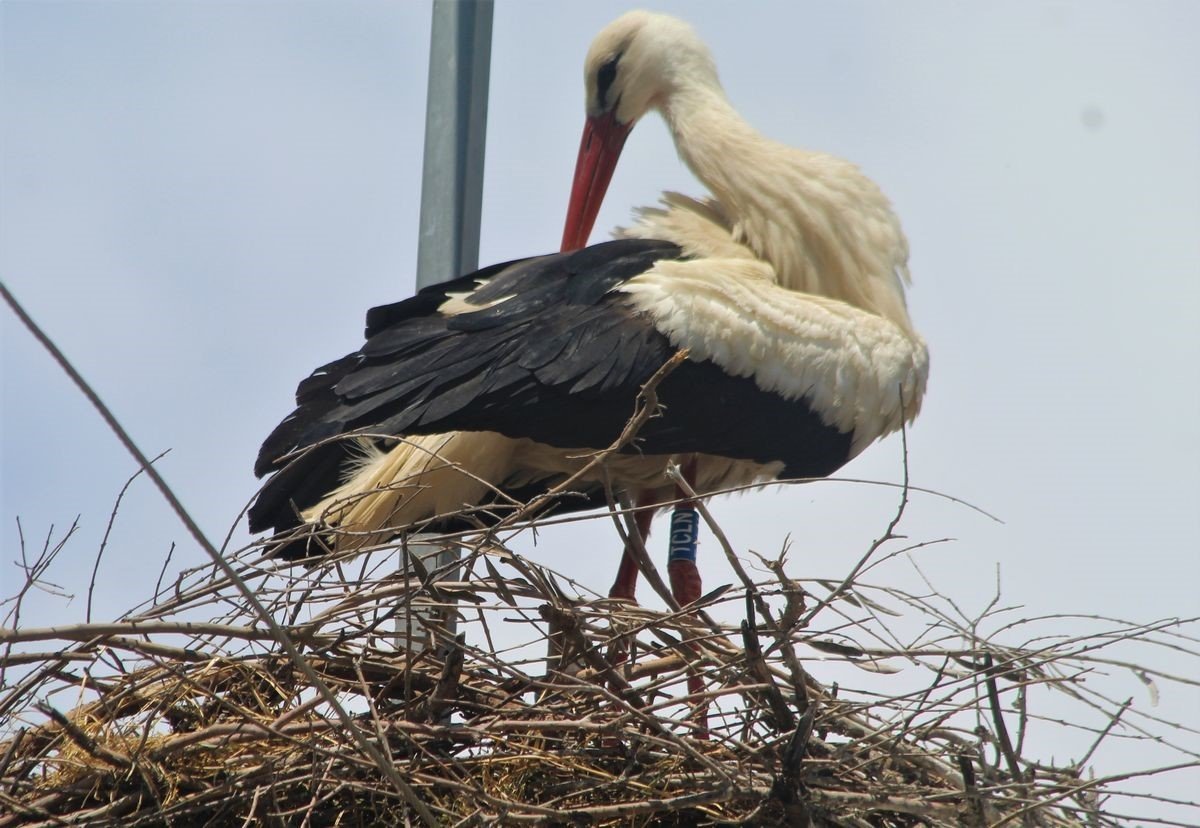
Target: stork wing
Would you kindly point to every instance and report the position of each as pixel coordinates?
(527, 349)
(541, 348)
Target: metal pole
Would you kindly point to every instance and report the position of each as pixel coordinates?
(460, 51)
(455, 131)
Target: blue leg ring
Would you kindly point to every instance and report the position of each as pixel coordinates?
(685, 528)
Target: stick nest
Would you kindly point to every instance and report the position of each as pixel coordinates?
(491, 690)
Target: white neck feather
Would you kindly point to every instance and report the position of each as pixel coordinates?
(824, 226)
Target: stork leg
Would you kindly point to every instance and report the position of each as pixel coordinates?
(625, 586)
(685, 526)
(681, 570)
(627, 574)
(685, 576)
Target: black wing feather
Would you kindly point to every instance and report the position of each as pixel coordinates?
(553, 354)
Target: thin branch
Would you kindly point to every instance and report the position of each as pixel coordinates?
(281, 637)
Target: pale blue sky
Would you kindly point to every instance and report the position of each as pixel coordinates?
(199, 201)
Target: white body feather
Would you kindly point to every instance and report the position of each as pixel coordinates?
(859, 371)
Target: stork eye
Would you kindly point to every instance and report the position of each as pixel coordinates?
(604, 80)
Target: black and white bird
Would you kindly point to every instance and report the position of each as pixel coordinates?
(785, 286)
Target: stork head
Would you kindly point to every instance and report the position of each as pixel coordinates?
(634, 65)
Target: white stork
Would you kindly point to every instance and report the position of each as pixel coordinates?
(786, 287)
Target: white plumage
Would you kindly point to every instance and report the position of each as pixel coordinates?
(855, 368)
(786, 286)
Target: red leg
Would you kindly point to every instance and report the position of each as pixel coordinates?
(627, 574)
(685, 577)
(686, 585)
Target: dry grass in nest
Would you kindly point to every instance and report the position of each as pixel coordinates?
(190, 712)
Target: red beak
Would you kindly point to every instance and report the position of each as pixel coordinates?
(603, 138)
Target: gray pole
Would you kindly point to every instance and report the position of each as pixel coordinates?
(455, 130)
(460, 51)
